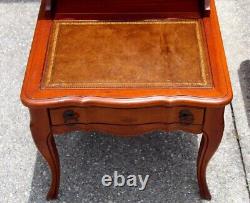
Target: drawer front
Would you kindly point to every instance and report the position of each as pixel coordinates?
(132, 116)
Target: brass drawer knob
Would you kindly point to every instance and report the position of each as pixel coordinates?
(70, 116)
(186, 117)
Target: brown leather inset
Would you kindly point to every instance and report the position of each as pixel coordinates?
(143, 54)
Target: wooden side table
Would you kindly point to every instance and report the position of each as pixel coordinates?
(126, 72)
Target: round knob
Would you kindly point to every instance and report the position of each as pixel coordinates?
(70, 116)
(186, 116)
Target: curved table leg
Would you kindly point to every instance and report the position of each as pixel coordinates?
(44, 140)
(212, 135)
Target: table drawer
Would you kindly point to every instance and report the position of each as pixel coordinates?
(121, 116)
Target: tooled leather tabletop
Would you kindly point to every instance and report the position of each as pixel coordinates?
(145, 54)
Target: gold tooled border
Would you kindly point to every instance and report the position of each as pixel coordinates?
(46, 81)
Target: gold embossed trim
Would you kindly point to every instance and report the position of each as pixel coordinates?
(47, 81)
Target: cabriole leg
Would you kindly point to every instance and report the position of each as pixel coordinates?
(44, 140)
(212, 135)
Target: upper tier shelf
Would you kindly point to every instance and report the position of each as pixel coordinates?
(126, 9)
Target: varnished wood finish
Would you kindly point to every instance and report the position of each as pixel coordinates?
(219, 95)
(126, 130)
(44, 140)
(120, 116)
(127, 111)
(126, 9)
(212, 134)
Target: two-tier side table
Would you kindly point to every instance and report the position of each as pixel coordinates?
(126, 68)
